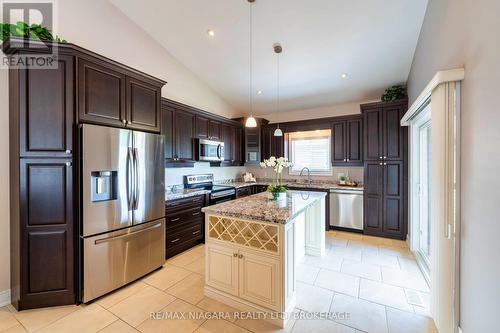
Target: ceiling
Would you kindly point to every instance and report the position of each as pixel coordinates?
(373, 41)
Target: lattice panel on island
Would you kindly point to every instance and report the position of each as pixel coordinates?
(255, 235)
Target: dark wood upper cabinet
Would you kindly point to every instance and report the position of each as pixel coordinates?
(373, 134)
(201, 127)
(101, 91)
(228, 133)
(347, 142)
(238, 146)
(214, 130)
(46, 276)
(167, 130)
(46, 107)
(143, 105)
(393, 133)
(271, 145)
(184, 123)
(338, 144)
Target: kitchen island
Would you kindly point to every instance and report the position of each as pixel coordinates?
(252, 246)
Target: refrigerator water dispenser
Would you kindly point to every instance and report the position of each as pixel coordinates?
(103, 186)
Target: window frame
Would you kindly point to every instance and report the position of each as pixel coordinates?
(290, 154)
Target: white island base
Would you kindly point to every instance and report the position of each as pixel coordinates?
(250, 264)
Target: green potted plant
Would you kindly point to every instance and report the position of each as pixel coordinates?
(277, 189)
(342, 180)
(394, 93)
(24, 30)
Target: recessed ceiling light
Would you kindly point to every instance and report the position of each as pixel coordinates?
(210, 32)
(343, 75)
(259, 92)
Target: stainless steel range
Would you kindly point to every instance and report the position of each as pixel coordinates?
(123, 217)
(218, 193)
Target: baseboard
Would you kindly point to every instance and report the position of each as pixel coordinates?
(4, 297)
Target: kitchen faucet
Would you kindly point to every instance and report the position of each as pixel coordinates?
(308, 174)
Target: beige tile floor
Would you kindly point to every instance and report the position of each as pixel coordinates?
(375, 280)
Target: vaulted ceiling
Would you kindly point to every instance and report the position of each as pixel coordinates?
(372, 41)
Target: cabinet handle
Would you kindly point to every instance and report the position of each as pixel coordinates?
(380, 163)
(344, 159)
(240, 256)
(385, 163)
(124, 121)
(196, 232)
(385, 157)
(128, 122)
(197, 213)
(380, 157)
(235, 255)
(176, 219)
(175, 240)
(68, 164)
(68, 151)
(347, 160)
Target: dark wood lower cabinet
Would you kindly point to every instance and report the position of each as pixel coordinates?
(384, 199)
(42, 244)
(184, 224)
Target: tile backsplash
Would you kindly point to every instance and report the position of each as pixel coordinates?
(174, 176)
(354, 173)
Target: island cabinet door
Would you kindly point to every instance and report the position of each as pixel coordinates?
(222, 268)
(259, 279)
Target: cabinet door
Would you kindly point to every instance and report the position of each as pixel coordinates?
(143, 107)
(354, 142)
(393, 133)
(167, 130)
(214, 130)
(277, 145)
(222, 268)
(237, 146)
(373, 148)
(101, 94)
(46, 233)
(228, 138)
(46, 110)
(372, 211)
(339, 142)
(259, 278)
(201, 127)
(266, 142)
(392, 201)
(184, 134)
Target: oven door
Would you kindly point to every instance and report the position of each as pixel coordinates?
(223, 196)
(210, 150)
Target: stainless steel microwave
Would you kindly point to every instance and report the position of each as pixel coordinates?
(209, 150)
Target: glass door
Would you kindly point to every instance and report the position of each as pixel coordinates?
(420, 192)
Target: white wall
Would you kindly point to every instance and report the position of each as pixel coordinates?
(463, 33)
(320, 112)
(102, 28)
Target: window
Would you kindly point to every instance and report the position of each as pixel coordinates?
(309, 149)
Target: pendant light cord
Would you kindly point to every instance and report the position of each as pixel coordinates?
(251, 62)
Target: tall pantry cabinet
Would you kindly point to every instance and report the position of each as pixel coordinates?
(386, 169)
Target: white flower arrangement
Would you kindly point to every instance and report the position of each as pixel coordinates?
(278, 165)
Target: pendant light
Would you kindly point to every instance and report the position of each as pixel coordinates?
(278, 49)
(251, 122)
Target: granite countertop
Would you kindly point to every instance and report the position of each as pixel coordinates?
(183, 193)
(313, 185)
(260, 208)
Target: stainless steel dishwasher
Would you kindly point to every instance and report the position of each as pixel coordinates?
(346, 208)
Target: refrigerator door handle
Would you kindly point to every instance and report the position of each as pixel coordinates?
(136, 179)
(129, 177)
(127, 234)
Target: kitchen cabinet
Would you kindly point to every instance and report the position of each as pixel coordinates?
(238, 146)
(143, 105)
(167, 130)
(246, 274)
(243, 192)
(201, 127)
(347, 142)
(183, 135)
(271, 145)
(110, 95)
(45, 110)
(227, 136)
(386, 171)
(214, 130)
(184, 224)
(384, 137)
(101, 91)
(42, 241)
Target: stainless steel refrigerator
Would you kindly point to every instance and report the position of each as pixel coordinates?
(123, 215)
